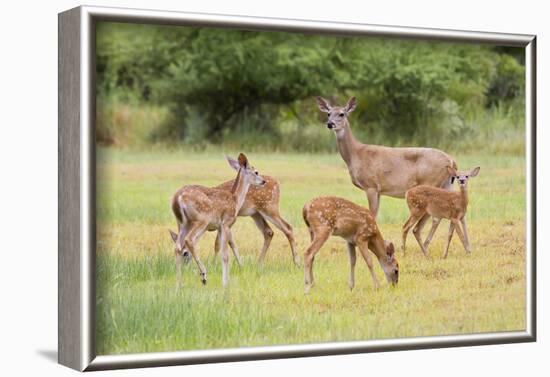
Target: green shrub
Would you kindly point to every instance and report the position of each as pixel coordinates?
(231, 86)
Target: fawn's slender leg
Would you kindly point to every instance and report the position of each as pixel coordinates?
(461, 235)
(417, 231)
(435, 224)
(182, 232)
(352, 259)
(267, 232)
(275, 218)
(373, 197)
(217, 244)
(413, 219)
(234, 247)
(225, 254)
(451, 230)
(319, 238)
(195, 232)
(463, 222)
(231, 244)
(363, 248)
(179, 262)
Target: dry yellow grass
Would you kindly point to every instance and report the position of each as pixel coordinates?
(140, 311)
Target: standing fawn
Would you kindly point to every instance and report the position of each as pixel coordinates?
(198, 209)
(262, 204)
(425, 201)
(326, 216)
(380, 170)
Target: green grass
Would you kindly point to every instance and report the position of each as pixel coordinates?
(139, 309)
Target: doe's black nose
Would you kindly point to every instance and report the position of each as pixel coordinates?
(330, 125)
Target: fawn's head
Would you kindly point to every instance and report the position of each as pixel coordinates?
(177, 248)
(246, 171)
(390, 265)
(337, 116)
(462, 176)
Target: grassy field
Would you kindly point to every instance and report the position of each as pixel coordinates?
(139, 309)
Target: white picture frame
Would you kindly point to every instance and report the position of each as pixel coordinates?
(77, 189)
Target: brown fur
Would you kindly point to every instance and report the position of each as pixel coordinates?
(425, 201)
(329, 215)
(262, 204)
(199, 208)
(380, 170)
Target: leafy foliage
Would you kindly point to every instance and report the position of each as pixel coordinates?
(219, 81)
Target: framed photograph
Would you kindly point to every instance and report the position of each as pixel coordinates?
(236, 188)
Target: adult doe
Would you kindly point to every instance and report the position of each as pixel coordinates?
(198, 209)
(380, 170)
(425, 201)
(326, 216)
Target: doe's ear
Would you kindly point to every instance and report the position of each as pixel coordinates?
(452, 171)
(323, 104)
(173, 235)
(233, 163)
(351, 105)
(474, 172)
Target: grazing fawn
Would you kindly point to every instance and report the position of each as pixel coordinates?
(198, 209)
(380, 170)
(326, 216)
(262, 204)
(425, 201)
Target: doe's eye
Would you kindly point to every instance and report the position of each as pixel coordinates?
(341, 115)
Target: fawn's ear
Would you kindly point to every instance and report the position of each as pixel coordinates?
(173, 235)
(452, 171)
(351, 105)
(323, 104)
(390, 249)
(243, 161)
(474, 172)
(233, 163)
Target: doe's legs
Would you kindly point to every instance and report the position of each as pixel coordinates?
(373, 197)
